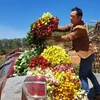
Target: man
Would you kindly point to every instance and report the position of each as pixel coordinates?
(80, 42)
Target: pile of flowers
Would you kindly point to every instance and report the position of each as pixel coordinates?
(41, 28)
(55, 64)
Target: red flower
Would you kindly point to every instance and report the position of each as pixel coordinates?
(33, 65)
(40, 57)
(42, 66)
(33, 59)
(31, 34)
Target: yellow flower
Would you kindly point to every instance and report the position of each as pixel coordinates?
(56, 55)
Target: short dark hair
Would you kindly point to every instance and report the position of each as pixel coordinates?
(78, 10)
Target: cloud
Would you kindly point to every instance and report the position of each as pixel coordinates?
(10, 32)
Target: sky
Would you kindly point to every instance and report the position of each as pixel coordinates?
(17, 15)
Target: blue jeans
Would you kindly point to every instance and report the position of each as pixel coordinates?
(85, 72)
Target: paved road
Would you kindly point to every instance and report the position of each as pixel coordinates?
(92, 94)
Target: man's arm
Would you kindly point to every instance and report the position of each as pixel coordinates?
(56, 38)
(77, 33)
(63, 28)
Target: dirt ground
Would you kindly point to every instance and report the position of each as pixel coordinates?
(74, 57)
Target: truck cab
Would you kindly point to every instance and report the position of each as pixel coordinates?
(7, 68)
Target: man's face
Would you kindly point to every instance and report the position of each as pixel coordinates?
(75, 19)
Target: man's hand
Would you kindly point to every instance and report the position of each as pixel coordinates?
(65, 38)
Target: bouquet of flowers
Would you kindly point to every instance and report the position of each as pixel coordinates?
(42, 28)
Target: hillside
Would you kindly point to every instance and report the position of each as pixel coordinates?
(2, 59)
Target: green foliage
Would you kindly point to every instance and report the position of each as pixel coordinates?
(59, 33)
(2, 60)
(34, 40)
(89, 27)
(7, 45)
